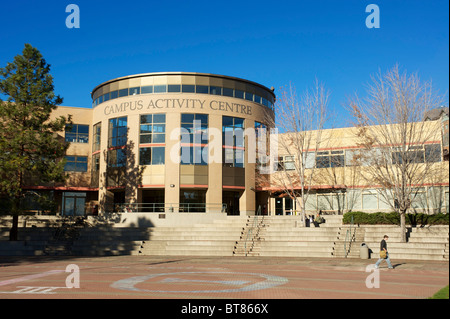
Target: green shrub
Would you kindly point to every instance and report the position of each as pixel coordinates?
(394, 218)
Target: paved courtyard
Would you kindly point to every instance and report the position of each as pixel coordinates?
(155, 277)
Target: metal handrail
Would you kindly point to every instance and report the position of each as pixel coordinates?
(250, 231)
(347, 235)
(168, 207)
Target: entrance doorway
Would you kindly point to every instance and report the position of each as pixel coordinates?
(231, 199)
(74, 203)
(152, 200)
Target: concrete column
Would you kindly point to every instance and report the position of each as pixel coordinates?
(132, 173)
(172, 167)
(103, 197)
(214, 193)
(247, 200)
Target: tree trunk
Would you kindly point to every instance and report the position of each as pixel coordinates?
(13, 232)
(403, 226)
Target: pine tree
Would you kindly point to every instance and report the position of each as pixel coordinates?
(30, 149)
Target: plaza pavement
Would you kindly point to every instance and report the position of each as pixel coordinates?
(231, 278)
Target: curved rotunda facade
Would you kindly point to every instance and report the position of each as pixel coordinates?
(159, 142)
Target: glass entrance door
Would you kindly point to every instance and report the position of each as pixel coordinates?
(74, 204)
(231, 199)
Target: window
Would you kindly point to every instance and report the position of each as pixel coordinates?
(147, 89)
(152, 128)
(325, 159)
(289, 164)
(188, 89)
(96, 137)
(433, 153)
(114, 94)
(152, 131)
(262, 144)
(369, 200)
(95, 170)
(233, 141)
(239, 94)
(286, 163)
(134, 91)
(76, 164)
(117, 157)
(202, 89)
(152, 155)
(159, 89)
(96, 163)
(173, 88)
(228, 92)
(194, 139)
(117, 132)
(123, 92)
(215, 90)
(77, 133)
(192, 201)
(414, 154)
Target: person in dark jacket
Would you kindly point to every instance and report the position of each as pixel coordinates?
(383, 247)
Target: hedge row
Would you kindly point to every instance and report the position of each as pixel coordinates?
(394, 219)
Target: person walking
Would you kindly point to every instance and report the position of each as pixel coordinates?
(384, 251)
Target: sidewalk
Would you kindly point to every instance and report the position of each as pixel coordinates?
(180, 277)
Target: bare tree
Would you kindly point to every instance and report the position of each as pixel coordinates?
(301, 120)
(396, 141)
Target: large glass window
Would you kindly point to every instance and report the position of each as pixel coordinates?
(326, 159)
(194, 139)
(152, 128)
(152, 155)
(117, 157)
(77, 133)
(152, 131)
(76, 164)
(97, 137)
(233, 141)
(117, 132)
(192, 201)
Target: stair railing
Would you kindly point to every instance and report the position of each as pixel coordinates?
(348, 236)
(250, 230)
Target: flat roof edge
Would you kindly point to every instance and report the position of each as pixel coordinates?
(182, 73)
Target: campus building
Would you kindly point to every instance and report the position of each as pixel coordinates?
(156, 143)
(184, 143)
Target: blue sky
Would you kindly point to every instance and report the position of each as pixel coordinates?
(269, 42)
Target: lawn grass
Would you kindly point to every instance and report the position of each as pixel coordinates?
(441, 294)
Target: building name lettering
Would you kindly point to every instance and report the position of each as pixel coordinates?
(154, 104)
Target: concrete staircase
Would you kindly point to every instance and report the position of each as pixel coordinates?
(249, 243)
(214, 239)
(36, 241)
(427, 243)
(285, 236)
(270, 236)
(109, 241)
(348, 242)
